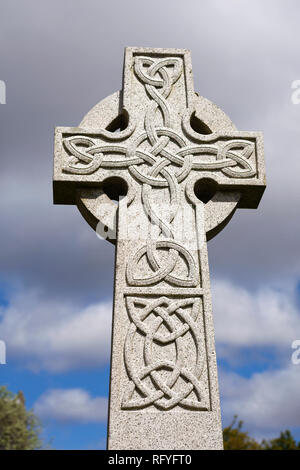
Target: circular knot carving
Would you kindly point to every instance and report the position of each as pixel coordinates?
(162, 271)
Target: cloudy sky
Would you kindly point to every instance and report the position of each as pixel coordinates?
(58, 58)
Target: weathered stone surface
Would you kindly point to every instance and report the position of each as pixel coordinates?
(184, 169)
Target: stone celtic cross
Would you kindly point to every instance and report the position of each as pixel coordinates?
(182, 169)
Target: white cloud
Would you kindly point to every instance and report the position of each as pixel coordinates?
(267, 402)
(47, 334)
(71, 406)
(267, 317)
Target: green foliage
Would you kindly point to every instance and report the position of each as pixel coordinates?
(19, 428)
(236, 439)
(284, 442)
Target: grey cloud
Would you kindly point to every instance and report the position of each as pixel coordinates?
(59, 58)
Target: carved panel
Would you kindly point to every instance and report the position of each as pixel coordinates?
(165, 355)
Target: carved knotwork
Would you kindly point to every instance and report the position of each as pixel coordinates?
(162, 382)
(158, 154)
(155, 163)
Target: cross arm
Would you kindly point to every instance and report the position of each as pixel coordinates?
(234, 160)
(79, 162)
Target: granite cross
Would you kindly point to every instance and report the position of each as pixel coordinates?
(179, 168)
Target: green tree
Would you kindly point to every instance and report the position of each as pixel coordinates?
(19, 428)
(284, 442)
(236, 439)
